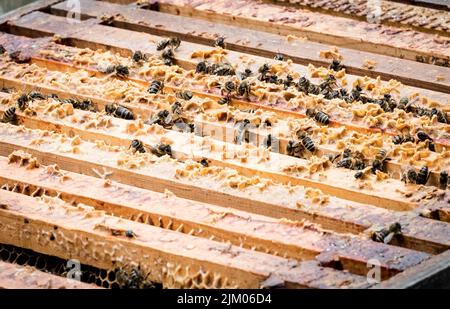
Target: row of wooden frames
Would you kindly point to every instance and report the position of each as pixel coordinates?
(215, 214)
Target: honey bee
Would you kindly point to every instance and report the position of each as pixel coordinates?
(319, 116)
(379, 164)
(242, 133)
(156, 86)
(410, 176)
(85, 105)
(184, 95)
(132, 279)
(306, 141)
(204, 162)
(244, 89)
(431, 145)
(220, 42)
(25, 98)
(173, 42)
(201, 67)
(223, 69)
(336, 65)
(162, 118)
(392, 104)
(279, 57)
(246, 74)
(423, 175)
(138, 56)
(130, 234)
(328, 83)
(351, 160)
(294, 149)
(119, 111)
(137, 146)
(355, 95)
(263, 71)
(303, 85)
(441, 116)
(122, 71)
(229, 87)
(2, 50)
(288, 81)
(443, 179)
(224, 100)
(177, 108)
(422, 136)
(10, 115)
(403, 103)
(168, 57)
(161, 150)
(400, 139)
(386, 235)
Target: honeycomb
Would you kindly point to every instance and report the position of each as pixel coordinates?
(129, 277)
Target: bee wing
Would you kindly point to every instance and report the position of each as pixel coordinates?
(388, 238)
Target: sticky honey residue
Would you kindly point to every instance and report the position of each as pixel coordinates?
(316, 196)
(24, 159)
(369, 64)
(332, 53)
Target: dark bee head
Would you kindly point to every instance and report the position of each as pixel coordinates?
(122, 70)
(310, 112)
(137, 146)
(184, 95)
(279, 57)
(129, 233)
(422, 136)
(204, 162)
(443, 179)
(220, 42)
(174, 42)
(138, 56)
(264, 69)
(247, 73)
(441, 116)
(177, 107)
(395, 228)
(110, 108)
(162, 44)
(336, 65)
(229, 86)
(423, 175)
(411, 176)
(403, 103)
(244, 89)
(168, 54)
(359, 174)
(201, 67)
(224, 100)
(431, 146)
(155, 87)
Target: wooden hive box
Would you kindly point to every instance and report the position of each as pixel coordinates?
(294, 153)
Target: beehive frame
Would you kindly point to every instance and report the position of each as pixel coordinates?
(249, 236)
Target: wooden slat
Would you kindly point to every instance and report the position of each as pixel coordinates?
(421, 19)
(13, 276)
(86, 34)
(274, 200)
(298, 240)
(432, 274)
(388, 193)
(263, 44)
(34, 6)
(169, 257)
(339, 31)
